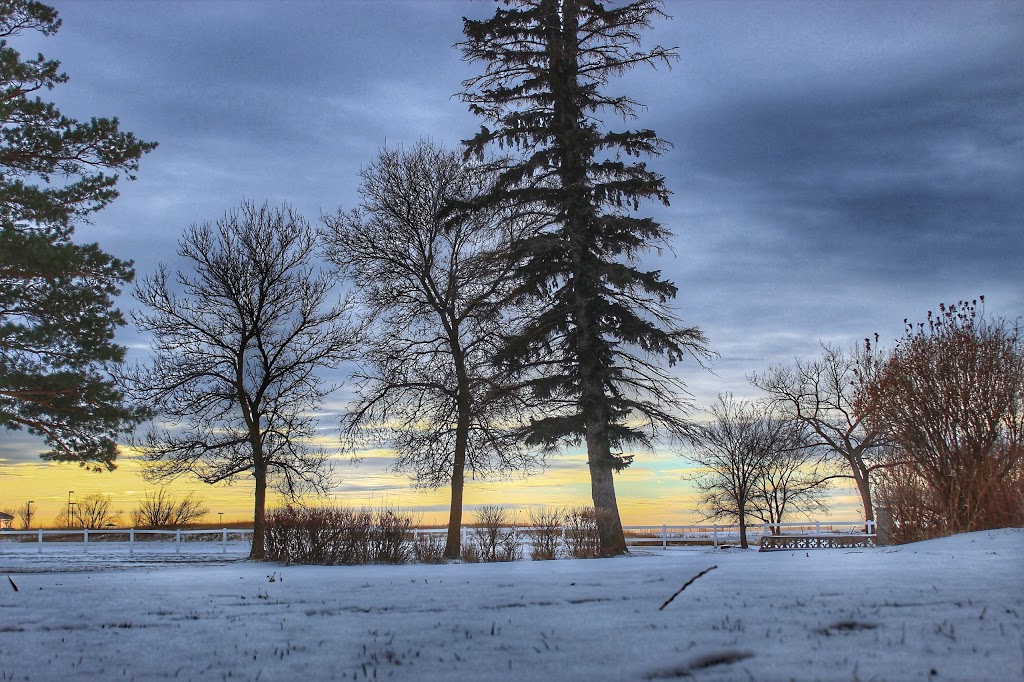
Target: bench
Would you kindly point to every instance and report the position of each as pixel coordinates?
(781, 542)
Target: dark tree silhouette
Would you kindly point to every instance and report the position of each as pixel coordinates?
(57, 319)
(750, 460)
(237, 344)
(822, 394)
(432, 281)
(604, 330)
(160, 509)
(795, 474)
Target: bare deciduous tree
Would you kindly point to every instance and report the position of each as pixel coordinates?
(237, 344)
(754, 462)
(25, 514)
(160, 509)
(91, 511)
(432, 280)
(730, 455)
(821, 395)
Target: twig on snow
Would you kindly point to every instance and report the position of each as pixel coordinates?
(688, 582)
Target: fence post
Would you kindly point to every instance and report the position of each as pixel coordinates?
(817, 527)
(131, 541)
(224, 541)
(664, 537)
(714, 533)
(40, 540)
(177, 541)
(85, 539)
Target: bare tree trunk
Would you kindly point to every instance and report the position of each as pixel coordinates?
(862, 479)
(259, 513)
(453, 544)
(743, 529)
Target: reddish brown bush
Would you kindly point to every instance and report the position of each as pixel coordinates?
(951, 397)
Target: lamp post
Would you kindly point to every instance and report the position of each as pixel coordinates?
(221, 515)
(28, 514)
(69, 507)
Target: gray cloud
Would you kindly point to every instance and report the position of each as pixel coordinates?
(836, 166)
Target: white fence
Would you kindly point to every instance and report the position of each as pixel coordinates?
(134, 536)
(822, 528)
(715, 535)
(706, 534)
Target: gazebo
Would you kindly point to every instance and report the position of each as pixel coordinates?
(5, 521)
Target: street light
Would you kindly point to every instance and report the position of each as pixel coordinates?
(69, 507)
(221, 515)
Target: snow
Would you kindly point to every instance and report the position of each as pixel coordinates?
(949, 609)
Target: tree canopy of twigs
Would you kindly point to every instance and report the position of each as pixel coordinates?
(238, 342)
(604, 335)
(434, 281)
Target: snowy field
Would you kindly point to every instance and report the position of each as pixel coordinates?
(950, 609)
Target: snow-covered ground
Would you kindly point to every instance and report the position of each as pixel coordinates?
(950, 609)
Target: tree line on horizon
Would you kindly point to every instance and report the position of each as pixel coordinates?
(497, 313)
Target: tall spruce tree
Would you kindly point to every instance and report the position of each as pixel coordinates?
(57, 319)
(602, 343)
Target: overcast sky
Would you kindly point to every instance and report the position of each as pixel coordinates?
(837, 167)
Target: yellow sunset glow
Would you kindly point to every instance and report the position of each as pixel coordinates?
(652, 491)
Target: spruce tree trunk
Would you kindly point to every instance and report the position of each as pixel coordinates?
(609, 524)
(602, 489)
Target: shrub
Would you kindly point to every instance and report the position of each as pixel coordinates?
(546, 533)
(329, 536)
(428, 548)
(950, 396)
(470, 551)
(495, 534)
(582, 540)
(388, 542)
